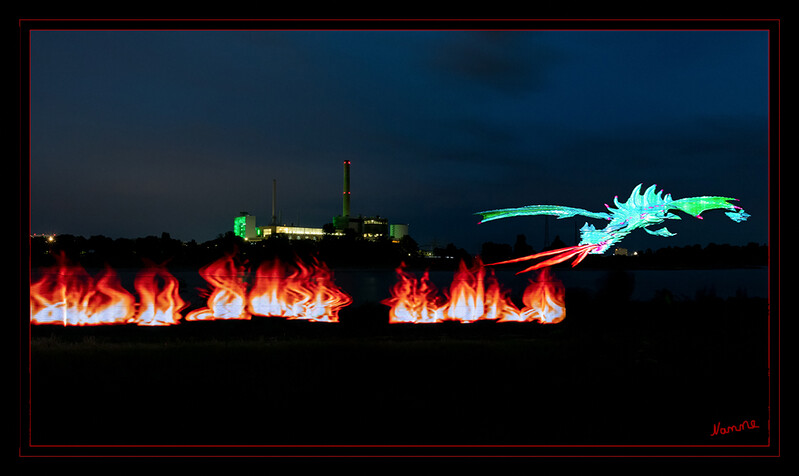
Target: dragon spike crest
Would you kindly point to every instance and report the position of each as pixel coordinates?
(648, 200)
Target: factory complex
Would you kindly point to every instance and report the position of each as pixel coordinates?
(369, 228)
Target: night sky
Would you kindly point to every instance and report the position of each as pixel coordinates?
(135, 133)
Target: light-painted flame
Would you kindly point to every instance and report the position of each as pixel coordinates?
(293, 292)
(303, 292)
(414, 301)
(228, 298)
(473, 296)
(543, 301)
(66, 294)
(160, 303)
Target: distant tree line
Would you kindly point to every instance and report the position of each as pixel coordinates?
(98, 251)
(711, 256)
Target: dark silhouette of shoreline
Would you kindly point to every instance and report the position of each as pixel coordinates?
(98, 251)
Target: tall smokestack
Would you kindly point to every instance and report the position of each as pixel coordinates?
(274, 200)
(346, 207)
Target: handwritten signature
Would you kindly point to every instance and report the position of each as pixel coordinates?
(723, 430)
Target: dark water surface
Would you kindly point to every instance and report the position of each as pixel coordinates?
(375, 284)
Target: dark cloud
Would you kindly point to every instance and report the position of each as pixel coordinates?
(510, 62)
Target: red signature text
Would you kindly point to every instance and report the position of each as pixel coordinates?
(723, 430)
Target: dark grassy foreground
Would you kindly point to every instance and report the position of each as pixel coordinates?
(655, 373)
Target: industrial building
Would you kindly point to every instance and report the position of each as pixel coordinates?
(397, 231)
(245, 227)
(370, 228)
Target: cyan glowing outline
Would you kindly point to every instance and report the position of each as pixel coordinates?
(639, 211)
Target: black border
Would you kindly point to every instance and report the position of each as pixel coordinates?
(772, 24)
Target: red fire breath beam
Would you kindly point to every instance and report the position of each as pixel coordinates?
(561, 255)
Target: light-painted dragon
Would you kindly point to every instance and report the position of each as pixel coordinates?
(639, 211)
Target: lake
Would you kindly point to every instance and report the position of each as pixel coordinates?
(375, 284)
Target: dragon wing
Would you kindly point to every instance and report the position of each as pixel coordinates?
(556, 210)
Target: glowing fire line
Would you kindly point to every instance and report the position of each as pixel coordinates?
(473, 296)
(68, 295)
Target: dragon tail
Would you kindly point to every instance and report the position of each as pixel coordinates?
(531, 210)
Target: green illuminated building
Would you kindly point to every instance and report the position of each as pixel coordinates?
(244, 226)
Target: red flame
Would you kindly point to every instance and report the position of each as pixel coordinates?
(414, 300)
(472, 296)
(159, 298)
(543, 301)
(68, 295)
(228, 299)
(305, 292)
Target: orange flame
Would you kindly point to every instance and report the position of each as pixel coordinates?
(228, 300)
(472, 296)
(543, 301)
(413, 300)
(159, 299)
(68, 295)
(308, 292)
